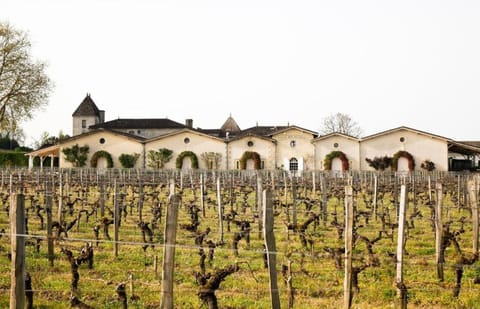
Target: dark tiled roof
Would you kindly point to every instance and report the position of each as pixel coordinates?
(161, 123)
(212, 132)
(262, 130)
(87, 108)
(131, 136)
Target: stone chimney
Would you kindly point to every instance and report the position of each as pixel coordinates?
(101, 117)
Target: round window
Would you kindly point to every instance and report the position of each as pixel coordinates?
(186, 140)
(402, 139)
(335, 145)
(102, 141)
(293, 144)
(249, 143)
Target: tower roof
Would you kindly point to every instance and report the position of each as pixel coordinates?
(87, 108)
(230, 125)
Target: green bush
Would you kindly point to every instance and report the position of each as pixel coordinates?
(128, 160)
(13, 158)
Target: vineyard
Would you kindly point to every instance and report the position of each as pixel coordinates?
(87, 238)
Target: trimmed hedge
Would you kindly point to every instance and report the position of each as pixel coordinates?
(13, 158)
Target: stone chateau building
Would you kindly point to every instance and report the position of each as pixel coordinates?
(290, 147)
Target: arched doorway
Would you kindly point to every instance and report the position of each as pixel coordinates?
(402, 165)
(102, 162)
(337, 165)
(250, 160)
(187, 163)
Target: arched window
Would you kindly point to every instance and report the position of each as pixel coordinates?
(293, 164)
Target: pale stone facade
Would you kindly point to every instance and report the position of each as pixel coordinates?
(265, 147)
(422, 146)
(112, 142)
(349, 145)
(294, 145)
(289, 148)
(188, 140)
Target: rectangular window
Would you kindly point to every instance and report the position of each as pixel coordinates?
(84, 123)
(262, 165)
(237, 164)
(293, 164)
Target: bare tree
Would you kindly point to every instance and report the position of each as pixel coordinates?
(24, 86)
(340, 123)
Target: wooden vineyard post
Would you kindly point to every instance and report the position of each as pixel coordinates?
(220, 211)
(375, 196)
(439, 232)
(270, 247)
(294, 201)
(260, 204)
(202, 195)
(231, 193)
(314, 185)
(171, 187)
(116, 218)
(273, 182)
(60, 200)
(102, 197)
(430, 189)
(140, 200)
(323, 187)
(401, 288)
(17, 239)
(347, 283)
(48, 211)
(181, 180)
(474, 206)
(169, 251)
(285, 195)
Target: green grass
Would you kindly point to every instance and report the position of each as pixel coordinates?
(317, 283)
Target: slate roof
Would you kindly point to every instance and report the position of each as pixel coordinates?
(263, 130)
(139, 123)
(87, 108)
(230, 125)
(127, 135)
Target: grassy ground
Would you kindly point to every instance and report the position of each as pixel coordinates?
(316, 280)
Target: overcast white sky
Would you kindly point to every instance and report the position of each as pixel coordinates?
(385, 63)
